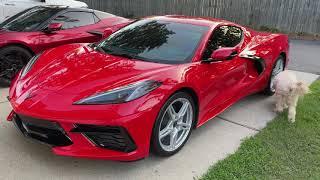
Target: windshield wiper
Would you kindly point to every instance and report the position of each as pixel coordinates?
(115, 51)
(97, 48)
(129, 56)
(118, 53)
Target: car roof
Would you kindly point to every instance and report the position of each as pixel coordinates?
(62, 7)
(53, 6)
(202, 21)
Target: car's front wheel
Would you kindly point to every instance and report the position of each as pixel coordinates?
(12, 59)
(173, 125)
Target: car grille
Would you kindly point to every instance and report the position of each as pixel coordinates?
(42, 130)
(115, 138)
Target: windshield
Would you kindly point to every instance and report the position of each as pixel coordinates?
(29, 19)
(156, 41)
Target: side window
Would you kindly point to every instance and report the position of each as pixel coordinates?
(224, 36)
(74, 19)
(96, 19)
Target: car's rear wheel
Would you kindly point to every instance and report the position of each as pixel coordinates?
(277, 68)
(173, 125)
(12, 59)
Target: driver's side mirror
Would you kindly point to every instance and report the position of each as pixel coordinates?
(54, 27)
(222, 54)
(107, 32)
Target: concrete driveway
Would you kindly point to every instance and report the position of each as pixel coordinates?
(304, 56)
(22, 159)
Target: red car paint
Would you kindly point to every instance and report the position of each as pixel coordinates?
(69, 73)
(38, 41)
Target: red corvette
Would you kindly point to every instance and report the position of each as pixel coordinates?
(44, 27)
(145, 87)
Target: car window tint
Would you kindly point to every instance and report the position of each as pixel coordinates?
(74, 19)
(224, 36)
(156, 41)
(29, 19)
(102, 15)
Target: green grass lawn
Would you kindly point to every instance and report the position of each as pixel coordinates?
(280, 151)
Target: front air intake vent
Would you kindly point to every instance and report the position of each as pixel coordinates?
(109, 137)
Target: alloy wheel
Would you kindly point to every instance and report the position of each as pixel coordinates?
(175, 124)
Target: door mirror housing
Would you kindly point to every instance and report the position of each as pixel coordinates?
(223, 54)
(107, 32)
(54, 27)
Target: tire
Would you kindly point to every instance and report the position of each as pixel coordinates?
(277, 68)
(181, 126)
(12, 60)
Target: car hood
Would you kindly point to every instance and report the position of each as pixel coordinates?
(78, 70)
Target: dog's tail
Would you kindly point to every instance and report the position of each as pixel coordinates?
(301, 88)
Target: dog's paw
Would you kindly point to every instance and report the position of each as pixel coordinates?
(292, 120)
(277, 110)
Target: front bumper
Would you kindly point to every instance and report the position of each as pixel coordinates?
(43, 131)
(111, 142)
(125, 137)
(133, 120)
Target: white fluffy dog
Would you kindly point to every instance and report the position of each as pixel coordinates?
(288, 90)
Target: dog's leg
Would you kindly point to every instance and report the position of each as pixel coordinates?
(280, 103)
(286, 103)
(292, 108)
(292, 114)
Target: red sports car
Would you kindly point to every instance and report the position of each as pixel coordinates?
(43, 27)
(145, 87)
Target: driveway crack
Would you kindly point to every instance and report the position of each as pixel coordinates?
(243, 125)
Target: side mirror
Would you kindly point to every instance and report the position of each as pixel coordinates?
(54, 27)
(107, 32)
(223, 54)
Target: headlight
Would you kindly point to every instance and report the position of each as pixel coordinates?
(122, 94)
(29, 65)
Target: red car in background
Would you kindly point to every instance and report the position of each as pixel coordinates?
(39, 28)
(145, 87)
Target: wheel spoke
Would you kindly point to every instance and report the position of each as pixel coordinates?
(4, 58)
(172, 112)
(166, 131)
(173, 138)
(183, 109)
(184, 126)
